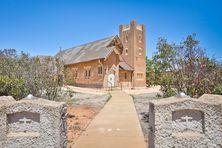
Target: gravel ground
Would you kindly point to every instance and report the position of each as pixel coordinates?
(141, 102)
(72, 97)
(90, 99)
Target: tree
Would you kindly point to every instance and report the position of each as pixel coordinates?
(185, 68)
(164, 63)
(41, 75)
(151, 72)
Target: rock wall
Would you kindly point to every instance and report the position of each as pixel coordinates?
(33, 123)
(186, 122)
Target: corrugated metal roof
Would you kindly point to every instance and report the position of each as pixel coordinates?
(91, 51)
(125, 66)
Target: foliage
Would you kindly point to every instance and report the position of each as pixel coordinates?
(158, 95)
(69, 75)
(41, 75)
(169, 92)
(12, 87)
(218, 89)
(152, 74)
(185, 68)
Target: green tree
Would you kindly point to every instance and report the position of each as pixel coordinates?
(150, 72)
(41, 75)
(185, 68)
(12, 86)
(164, 65)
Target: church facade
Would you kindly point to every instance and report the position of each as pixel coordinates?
(117, 61)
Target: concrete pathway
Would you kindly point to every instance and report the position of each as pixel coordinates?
(116, 126)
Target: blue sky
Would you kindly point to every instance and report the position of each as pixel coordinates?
(41, 27)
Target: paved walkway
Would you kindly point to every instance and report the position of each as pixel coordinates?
(116, 126)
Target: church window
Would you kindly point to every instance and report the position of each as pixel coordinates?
(126, 51)
(125, 75)
(140, 51)
(139, 75)
(87, 73)
(100, 70)
(126, 37)
(140, 38)
(75, 73)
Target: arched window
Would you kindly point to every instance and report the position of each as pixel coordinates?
(100, 69)
(126, 51)
(75, 73)
(126, 37)
(140, 51)
(140, 37)
(87, 72)
(125, 75)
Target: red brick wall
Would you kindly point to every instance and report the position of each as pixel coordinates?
(136, 40)
(95, 80)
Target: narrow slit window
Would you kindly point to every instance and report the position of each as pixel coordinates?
(140, 51)
(100, 70)
(125, 75)
(140, 76)
(87, 73)
(126, 51)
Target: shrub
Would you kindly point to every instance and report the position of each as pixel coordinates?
(40, 76)
(69, 77)
(12, 87)
(158, 95)
(218, 89)
(169, 93)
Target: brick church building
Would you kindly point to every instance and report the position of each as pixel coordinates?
(117, 61)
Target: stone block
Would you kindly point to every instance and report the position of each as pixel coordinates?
(186, 122)
(33, 123)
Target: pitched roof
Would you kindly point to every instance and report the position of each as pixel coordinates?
(125, 66)
(91, 51)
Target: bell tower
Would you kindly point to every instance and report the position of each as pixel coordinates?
(134, 42)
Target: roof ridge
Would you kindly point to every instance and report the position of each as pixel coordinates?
(91, 42)
(92, 50)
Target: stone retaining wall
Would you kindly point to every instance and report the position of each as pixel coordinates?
(186, 122)
(32, 123)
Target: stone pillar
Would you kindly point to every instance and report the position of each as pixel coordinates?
(185, 122)
(33, 123)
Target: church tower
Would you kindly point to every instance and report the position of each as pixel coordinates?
(134, 43)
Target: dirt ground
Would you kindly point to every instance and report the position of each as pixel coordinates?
(79, 118)
(82, 108)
